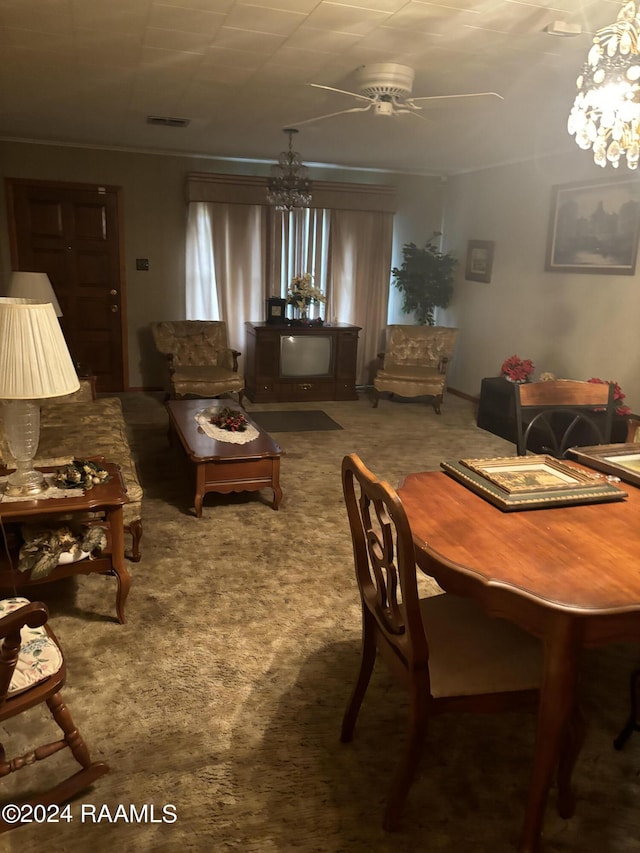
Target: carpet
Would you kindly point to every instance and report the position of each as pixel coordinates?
(295, 421)
(223, 693)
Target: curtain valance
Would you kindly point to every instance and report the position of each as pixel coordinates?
(250, 189)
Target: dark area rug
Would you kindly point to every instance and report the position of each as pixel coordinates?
(294, 421)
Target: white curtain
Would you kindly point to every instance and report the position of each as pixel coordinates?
(226, 265)
(360, 273)
(300, 244)
(238, 254)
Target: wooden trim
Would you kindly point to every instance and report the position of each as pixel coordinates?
(472, 398)
(251, 189)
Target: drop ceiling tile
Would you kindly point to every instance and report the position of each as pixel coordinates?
(208, 74)
(389, 6)
(264, 20)
(249, 40)
(233, 58)
(124, 16)
(400, 42)
(178, 62)
(300, 6)
(177, 40)
(429, 18)
(60, 42)
(96, 47)
(294, 57)
(220, 6)
(345, 19)
(50, 16)
(177, 18)
(326, 41)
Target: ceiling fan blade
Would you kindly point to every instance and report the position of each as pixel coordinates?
(413, 112)
(330, 115)
(341, 91)
(446, 97)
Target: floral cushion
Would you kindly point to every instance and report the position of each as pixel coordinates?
(39, 656)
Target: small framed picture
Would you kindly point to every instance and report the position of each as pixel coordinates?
(276, 311)
(479, 260)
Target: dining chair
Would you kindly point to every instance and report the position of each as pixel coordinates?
(32, 672)
(562, 413)
(446, 652)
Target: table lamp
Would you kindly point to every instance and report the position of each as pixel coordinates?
(33, 285)
(35, 364)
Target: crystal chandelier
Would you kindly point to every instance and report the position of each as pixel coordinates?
(289, 187)
(606, 112)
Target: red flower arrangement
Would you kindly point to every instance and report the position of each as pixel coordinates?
(618, 395)
(229, 419)
(517, 369)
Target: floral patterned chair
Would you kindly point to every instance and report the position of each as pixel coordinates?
(201, 363)
(415, 362)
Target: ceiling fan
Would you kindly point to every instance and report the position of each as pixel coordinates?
(386, 89)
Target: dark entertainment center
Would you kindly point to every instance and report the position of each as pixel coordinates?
(291, 364)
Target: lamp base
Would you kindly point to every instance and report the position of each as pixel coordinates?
(25, 484)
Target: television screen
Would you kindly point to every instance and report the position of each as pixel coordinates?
(305, 355)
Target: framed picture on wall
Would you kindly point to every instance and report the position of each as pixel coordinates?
(593, 228)
(479, 260)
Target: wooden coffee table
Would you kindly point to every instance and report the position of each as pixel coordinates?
(107, 499)
(222, 466)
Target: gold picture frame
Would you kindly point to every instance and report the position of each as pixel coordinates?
(479, 260)
(616, 460)
(532, 482)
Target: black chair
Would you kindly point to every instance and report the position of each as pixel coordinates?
(562, 413)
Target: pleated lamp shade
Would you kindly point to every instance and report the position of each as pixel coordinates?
(34, 359)
(33, 285)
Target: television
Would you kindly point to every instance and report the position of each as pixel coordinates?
(306, 355)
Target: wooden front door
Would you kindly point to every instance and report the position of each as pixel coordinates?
(73, 233)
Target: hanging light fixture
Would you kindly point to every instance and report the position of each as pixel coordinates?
(606, 113)
(289, 186)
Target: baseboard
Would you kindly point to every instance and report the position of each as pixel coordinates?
(470, 397)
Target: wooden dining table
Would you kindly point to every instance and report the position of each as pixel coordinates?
(569, 575)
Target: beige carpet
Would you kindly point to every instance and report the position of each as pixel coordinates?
(223, 693)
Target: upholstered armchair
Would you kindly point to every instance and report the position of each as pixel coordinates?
(415, 362)
(201, 363)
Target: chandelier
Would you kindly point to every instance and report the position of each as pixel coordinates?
(289, 187)
(606, 113)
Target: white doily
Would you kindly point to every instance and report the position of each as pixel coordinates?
(244, 437)
(51, 492)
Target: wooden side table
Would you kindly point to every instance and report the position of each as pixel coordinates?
(107, 498)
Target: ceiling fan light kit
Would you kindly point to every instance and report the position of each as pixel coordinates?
(605, 116)
(384, 88)
(289, 186)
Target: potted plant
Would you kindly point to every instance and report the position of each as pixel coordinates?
(425, 279)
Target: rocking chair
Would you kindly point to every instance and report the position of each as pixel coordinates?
(32, 671)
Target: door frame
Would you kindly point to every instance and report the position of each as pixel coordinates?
(117, 191)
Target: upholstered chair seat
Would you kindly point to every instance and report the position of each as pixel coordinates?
(415, 362)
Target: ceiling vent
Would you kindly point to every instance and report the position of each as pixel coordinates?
(168, 121)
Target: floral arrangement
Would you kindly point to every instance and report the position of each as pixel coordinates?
(81, 475)
(43, 548)
(302, 292)
(517, 369)
(229, 419)
(618, 395)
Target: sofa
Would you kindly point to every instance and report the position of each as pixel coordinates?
(79, 426)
